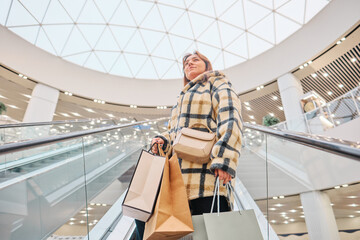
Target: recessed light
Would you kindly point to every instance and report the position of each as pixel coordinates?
(302, 216)
(273, 221)
(292, 220)
(251, 116)
(338, 42)
(340, 86)
(13, 106)
(301, 67)
(82, 221)
(310, 62)
(351, 196)
(330, 93)
(246, 103)
(343, 39)
(275, 197)
(293, 210)
(271, 114)
(275, 98)
(278, 205)
(314, 75)
(281, 108)
(272, 209)
(353, 205)
(89, 110)
(305, 65)
(345, 185)
(71, 223)
(325, 74)
(281, 197)
(286, 222)
(353, 60)
(72, 219)
(351, 216)
(248, 108)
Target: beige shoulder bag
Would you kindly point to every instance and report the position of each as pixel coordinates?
(193, 145)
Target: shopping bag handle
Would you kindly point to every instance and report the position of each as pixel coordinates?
(160, 151)
(230, 190)
(216, 193)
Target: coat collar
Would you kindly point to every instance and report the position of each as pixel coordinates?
(202, 78)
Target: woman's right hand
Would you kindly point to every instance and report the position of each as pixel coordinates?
(160, 143)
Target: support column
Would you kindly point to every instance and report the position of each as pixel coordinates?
(290, 91)
(42, 104)
(319, 216)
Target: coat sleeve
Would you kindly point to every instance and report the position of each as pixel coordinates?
(166, 135)
(227, 110)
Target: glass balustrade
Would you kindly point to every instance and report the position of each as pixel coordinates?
(63, 189)
(19, 132)
(293, 186)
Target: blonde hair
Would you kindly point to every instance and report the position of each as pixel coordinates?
(208, 66)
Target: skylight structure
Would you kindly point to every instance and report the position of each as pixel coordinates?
(146, 39)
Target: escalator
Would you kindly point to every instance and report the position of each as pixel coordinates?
(45, 182)
(77, 180)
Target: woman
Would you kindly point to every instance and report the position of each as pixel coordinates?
(207, 98)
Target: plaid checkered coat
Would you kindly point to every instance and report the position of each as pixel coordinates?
(208, 99)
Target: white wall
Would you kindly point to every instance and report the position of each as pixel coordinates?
(330, 24)
(348, 131)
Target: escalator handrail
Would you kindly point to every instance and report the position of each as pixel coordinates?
(34, 124)
(19, 146)
(332, 145)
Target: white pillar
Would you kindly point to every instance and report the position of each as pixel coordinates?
(42, 104)
(319, 216)
(290, 91)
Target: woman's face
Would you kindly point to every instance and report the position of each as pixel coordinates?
(193, 66)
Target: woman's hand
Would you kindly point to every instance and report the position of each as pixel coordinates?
(223, 175)
(160, 143)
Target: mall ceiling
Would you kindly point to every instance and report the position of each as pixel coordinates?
(146, 39)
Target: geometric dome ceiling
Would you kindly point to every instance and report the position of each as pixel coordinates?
(146, 39)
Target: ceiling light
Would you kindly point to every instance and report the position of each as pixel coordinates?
(293, 210)
(314, 75)
(98, 204)
(302, 216)
(281, 108)
(332, 115)
(301, 67)
(65, 114)
(353, 60)
(253, 122)
(331, 204)
(351, 196)
(281, 197)
(248, 108)
(338, 42)
(292, 220)
(278, 205)
(325, 74)
(68, 93)
(272, 209)
(20, 75)
(258, 88)
(90, 224)
(344, 185)
(330, 93)
(340, 86)
(343, 39)
(262, 86)
(275, 197)
(301, 207)
(351, 216)
(273, 221)
(251, 116)
(110, 115)
(25, 95)
(338, 122)
(102, 102)
(275, 98)
(286, 222)
(25, 77)
(353, 205)
(246, 103)
(310, 62)
(89, 208)
(104, 205)
(271, 114)
(337, 187)
(72, 219)
(1, 96)
(13, 106)
(82, 221)
(71, 223)
(76, 114)
(305, 65)
(89, 110)
(95, 100)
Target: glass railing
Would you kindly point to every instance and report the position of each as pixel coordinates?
(11, 133)
(306, 187)
(337, 112)
(64, 187)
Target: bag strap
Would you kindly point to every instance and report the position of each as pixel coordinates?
(160, 151)
(230, 190)
(201, 124)
(216, 193)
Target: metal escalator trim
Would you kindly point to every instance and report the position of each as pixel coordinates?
(340, 147)
(13, 147)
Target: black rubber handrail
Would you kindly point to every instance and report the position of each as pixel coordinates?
(34, 124)
(19, 146)
(332, 145)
